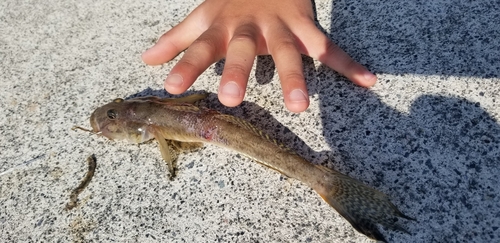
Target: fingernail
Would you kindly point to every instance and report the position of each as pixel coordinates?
(369, 76)
(298, 95)
(231, 89)
(174, 80)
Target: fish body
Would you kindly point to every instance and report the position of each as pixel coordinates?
(179, 125)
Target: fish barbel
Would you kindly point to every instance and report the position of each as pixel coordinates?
(179, 125)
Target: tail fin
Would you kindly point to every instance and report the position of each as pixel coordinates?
(363, 206)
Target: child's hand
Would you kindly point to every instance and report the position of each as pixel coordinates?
(241, 29)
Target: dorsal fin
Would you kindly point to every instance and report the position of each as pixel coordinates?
(190, 99)
(248, 126)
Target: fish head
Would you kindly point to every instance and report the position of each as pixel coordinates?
(117, 121)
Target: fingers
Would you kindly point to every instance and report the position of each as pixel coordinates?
(286, 33)
(172, 42)
(286, 56)
(318, 46)
(239, 60)
(204, 51)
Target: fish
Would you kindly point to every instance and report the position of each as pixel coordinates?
(180, 125)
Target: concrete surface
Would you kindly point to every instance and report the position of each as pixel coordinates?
(427, 134)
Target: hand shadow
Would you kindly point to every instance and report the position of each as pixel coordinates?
(440, 37)
(439, 163)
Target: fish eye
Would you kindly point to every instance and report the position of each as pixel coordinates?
(111, 114)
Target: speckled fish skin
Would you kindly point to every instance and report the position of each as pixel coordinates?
(178, 124)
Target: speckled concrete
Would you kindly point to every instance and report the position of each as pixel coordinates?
(427, 134)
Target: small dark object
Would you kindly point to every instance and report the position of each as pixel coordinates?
(73, 197)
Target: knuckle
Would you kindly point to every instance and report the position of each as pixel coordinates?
(236, 68)
(285, 45)
(190, 64)
(212, 37)
(243, 37)
(204, 43)
(344, 61)
(350, 65)
(332, 49)
(167, 40)
(210, 43)
(186, 62)
(294, 77)
(246, 32)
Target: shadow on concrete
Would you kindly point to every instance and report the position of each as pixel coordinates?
(442, 37)
(439, 163)
(442, 159)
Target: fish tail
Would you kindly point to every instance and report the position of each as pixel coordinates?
(363, 206)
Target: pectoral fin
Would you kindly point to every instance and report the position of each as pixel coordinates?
(169, 154)
(170, 150)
